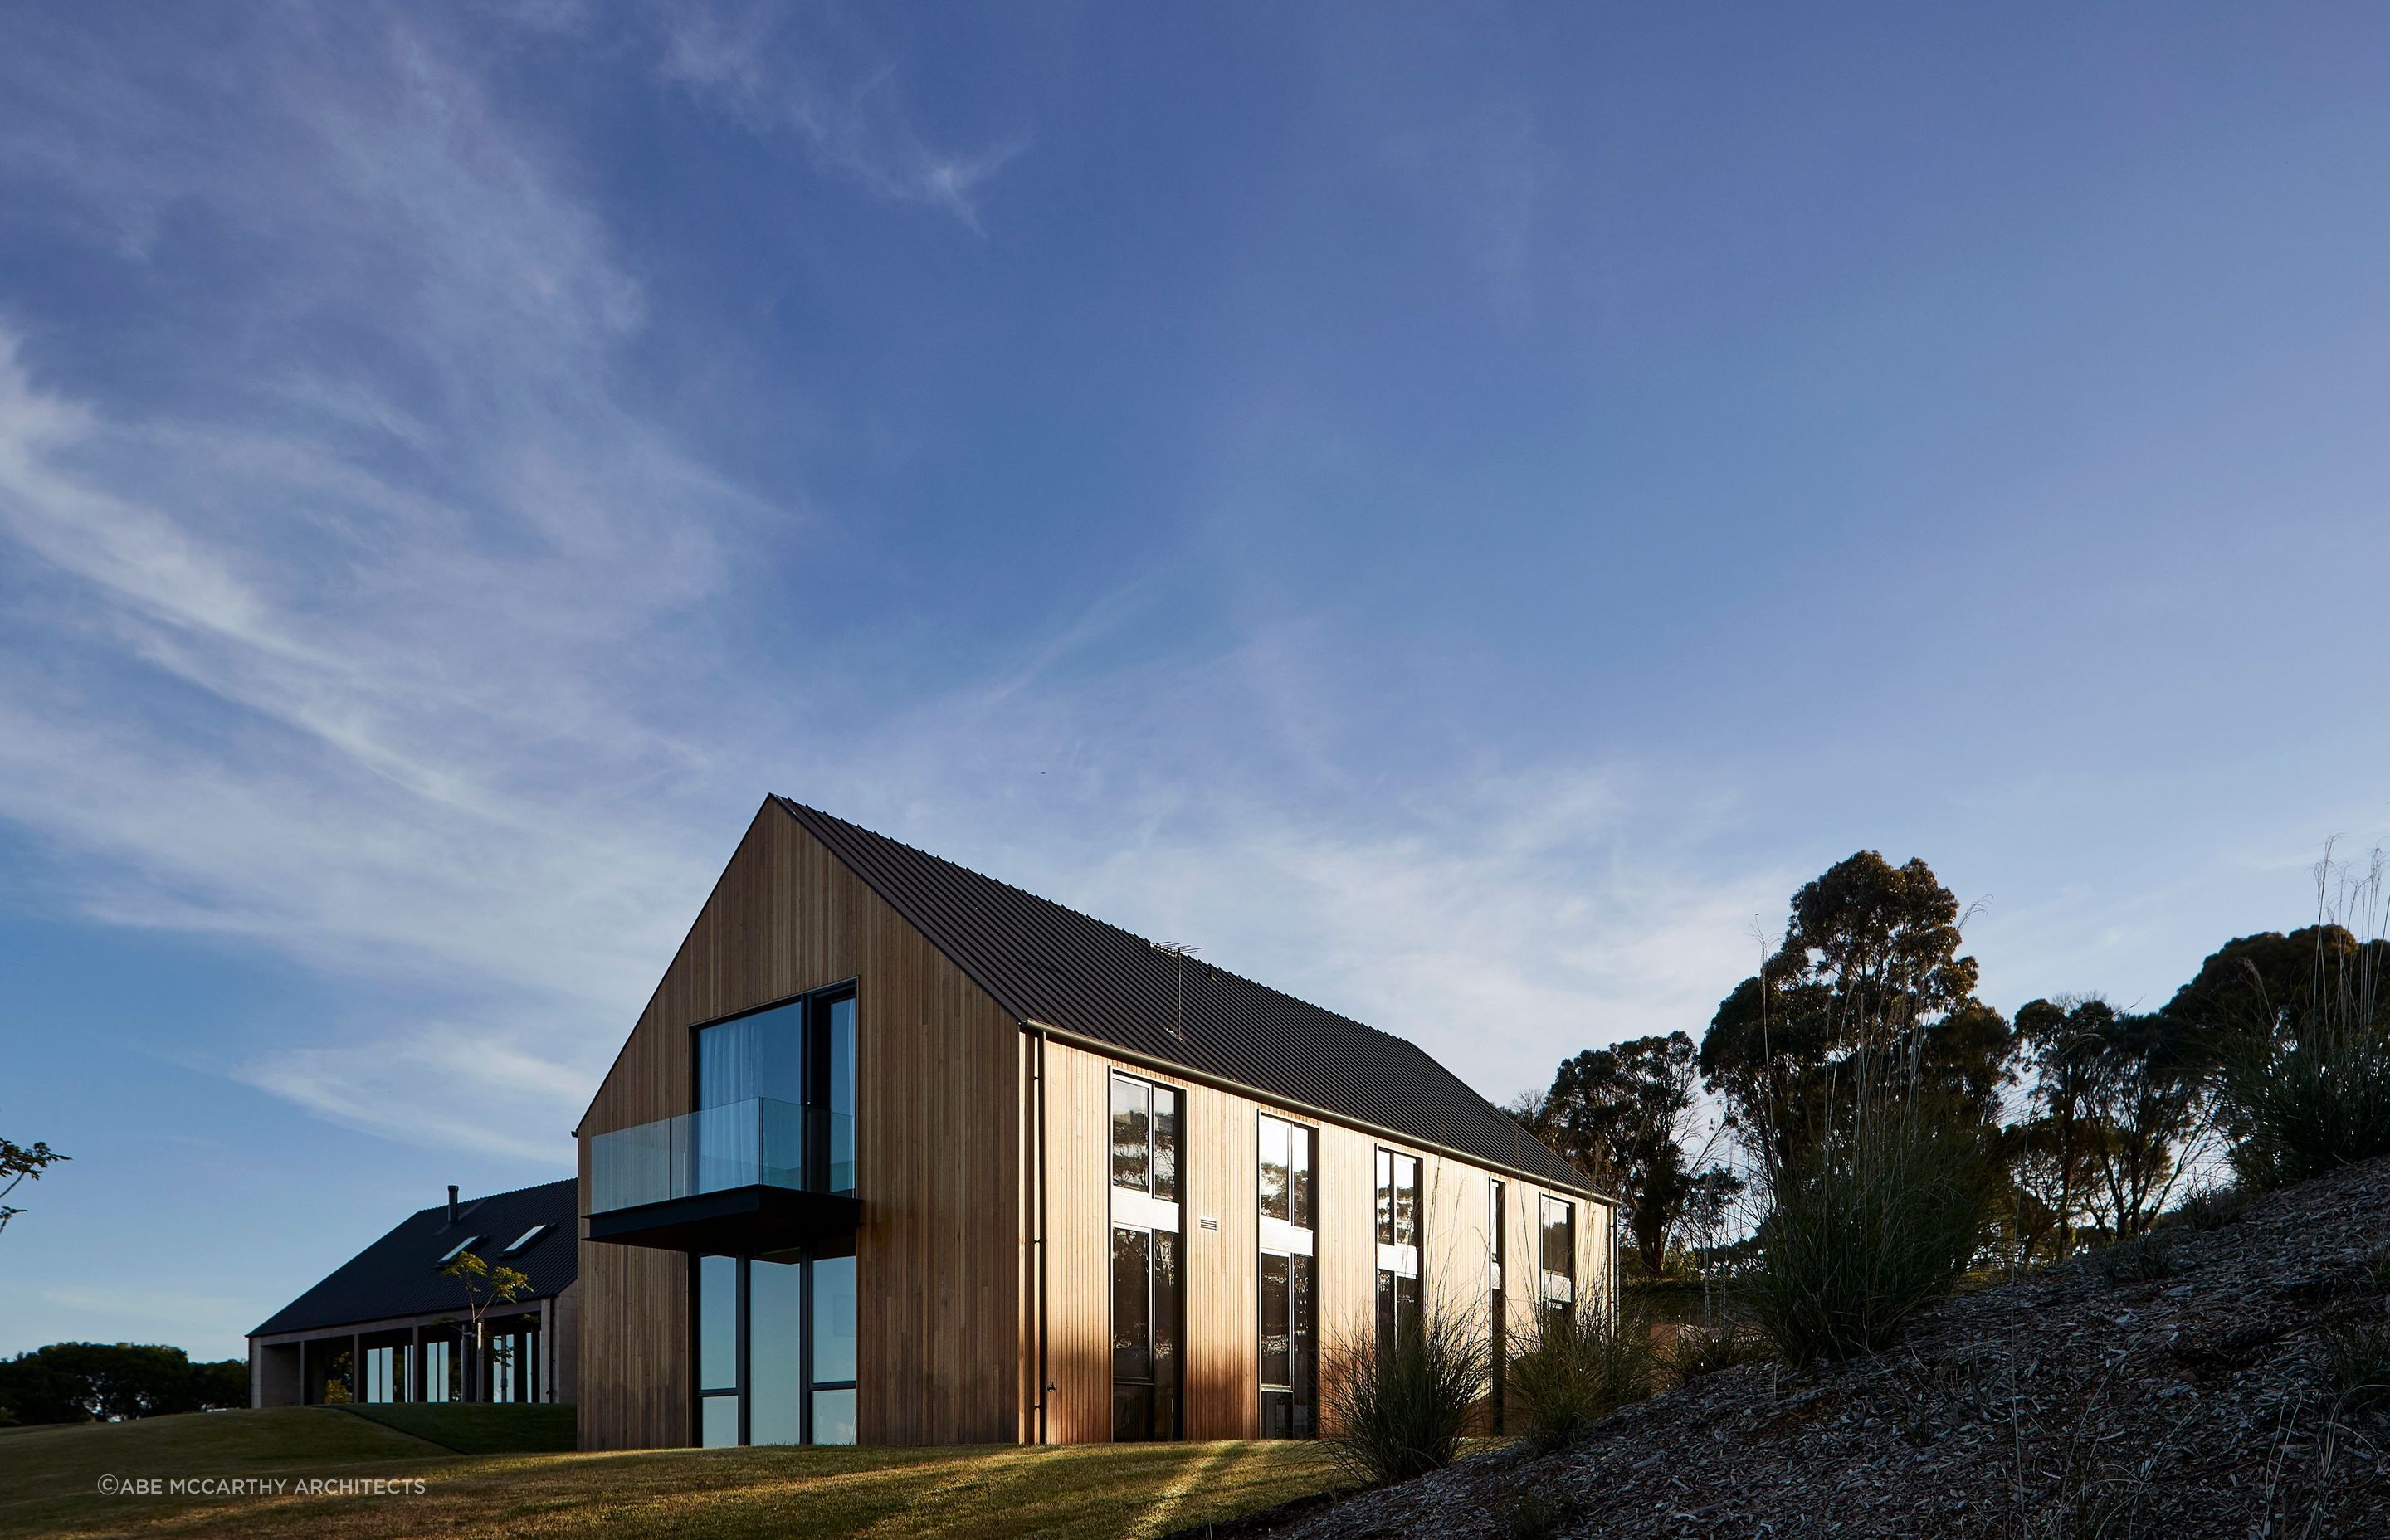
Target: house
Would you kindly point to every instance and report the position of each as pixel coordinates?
(901, 1154)
(386, 1324)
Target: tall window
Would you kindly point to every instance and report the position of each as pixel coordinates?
(776, 1332)
(776, 1096)
(385, 1374)
(1398, 1244)
(506, 1357)
(1559, 1251)
(1147, 1302)
(775, 1349)
(440, 1368)
(1498, 1317)
(1289, 1352)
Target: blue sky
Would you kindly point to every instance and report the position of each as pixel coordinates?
(1453, 510)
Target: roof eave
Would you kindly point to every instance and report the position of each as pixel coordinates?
(1181, 1071)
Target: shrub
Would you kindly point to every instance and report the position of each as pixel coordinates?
(1397, 1409)
(1706, 1347)
(2309, 1090)
(2308, 1105)
(1541, 1516)
(2359, 1354)
(2143, 1259)
(1576, 1366)
(2210, 1208)
(1878, 1220)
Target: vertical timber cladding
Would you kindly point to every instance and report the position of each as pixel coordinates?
(1220, 1168)
(937, 1158)
(1220, 1177)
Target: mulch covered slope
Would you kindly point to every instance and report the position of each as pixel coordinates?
(2198, 1403)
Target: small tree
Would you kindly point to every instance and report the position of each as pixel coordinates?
(484, 1287)
(18, 1162)
(2056, 1147)
(1619, 1115)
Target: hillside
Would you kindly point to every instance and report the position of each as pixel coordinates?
(2199, 1403)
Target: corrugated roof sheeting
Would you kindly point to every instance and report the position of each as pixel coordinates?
(1046, 963)
(398, 1275)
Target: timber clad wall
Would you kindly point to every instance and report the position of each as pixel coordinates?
(936, 1159)
(1220, 1170)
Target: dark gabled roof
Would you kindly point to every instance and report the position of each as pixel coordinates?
(1055, 967)
(398, 1275)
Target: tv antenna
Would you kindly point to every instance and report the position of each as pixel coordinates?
(1179, 952)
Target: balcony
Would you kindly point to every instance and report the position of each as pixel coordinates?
(751, 1175)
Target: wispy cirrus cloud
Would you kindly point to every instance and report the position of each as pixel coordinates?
(383, 623)
(757, 64)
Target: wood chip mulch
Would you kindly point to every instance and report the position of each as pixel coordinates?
(2061, 1407)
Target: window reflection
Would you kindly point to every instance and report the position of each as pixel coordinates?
(1131, 1132)
(776, 1370)
(1278, 1321)
(1132, 1304)
(717, 1322)
(834, 1417)
(1275, 1196)
(1165, 1144)
(834, 1320)
(1559, 1239)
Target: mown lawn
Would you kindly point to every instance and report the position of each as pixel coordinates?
(466, 1427)
(50, 1480)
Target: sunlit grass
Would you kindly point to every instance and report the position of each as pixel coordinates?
(48, 1478)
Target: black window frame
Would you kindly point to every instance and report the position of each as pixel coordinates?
(815, 1059)
(1544, 1249)
(1153, 1090)
(1114, 1223)
(1498, 1316)
(742, 1263)
(1398, 1294)
(1302, 1385)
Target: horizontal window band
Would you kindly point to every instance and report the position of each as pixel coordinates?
(1143, 1211)
(1280, 1236)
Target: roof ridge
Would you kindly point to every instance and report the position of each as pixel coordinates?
(465, 1203)
(1087, 975)
(1094, 919)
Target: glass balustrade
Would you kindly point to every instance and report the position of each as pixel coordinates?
(742, 1143)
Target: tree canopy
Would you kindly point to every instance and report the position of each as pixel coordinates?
(2267, 985)
(1619, 1115)
(20, 1162)
(111, 1382)
(1869, 970)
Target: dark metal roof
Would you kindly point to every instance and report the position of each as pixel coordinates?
(1054, 967)
(398, 1275)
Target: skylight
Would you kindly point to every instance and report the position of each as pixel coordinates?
(526, 1238)
(456, 1250)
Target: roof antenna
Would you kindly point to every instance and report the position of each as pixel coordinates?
(1179, 952)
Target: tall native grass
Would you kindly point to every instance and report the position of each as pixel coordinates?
(2312, 1094)
(1398, 1408)
(1877, 1220)
(1579, 1364)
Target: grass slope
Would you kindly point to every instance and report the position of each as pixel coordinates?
(480, 1430)
(48, 1478)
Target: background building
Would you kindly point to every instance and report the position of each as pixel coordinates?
(385, 1326)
